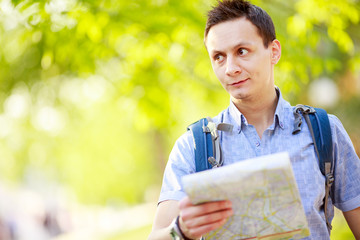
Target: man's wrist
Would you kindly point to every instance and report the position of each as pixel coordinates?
(177, 222)
(176, 232)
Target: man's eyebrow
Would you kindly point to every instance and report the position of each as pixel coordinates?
(240, 44)
(215, 52)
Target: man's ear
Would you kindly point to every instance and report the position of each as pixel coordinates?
(275, 51)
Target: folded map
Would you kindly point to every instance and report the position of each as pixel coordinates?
(264, 195)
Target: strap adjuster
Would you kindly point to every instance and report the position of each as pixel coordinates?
(298, 120)
(329, 179)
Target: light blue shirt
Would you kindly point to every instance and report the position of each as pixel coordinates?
(244, 142)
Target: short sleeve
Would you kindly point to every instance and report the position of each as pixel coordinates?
(347, 169)
(180, 163)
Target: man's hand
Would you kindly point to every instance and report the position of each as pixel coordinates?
(197, 220)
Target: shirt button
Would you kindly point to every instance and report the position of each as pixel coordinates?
(257, 144)
(281, 124)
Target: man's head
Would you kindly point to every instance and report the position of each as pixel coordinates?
(227, 10)
(240, 40)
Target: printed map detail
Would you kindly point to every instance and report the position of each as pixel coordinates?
(265, 198)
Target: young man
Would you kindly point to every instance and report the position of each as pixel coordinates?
(240, 39)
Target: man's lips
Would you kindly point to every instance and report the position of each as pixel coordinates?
(239, 82)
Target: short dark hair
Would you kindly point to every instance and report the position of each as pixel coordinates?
(227, 10)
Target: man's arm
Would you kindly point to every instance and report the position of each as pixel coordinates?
(195, 220)
(165, 213)
(353, 220)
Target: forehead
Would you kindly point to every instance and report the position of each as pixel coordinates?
(231, 33)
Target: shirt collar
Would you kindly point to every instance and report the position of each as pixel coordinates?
(278, 117)
(279, 112)
(237, 116)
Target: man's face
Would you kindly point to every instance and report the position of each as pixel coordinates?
(240, 60)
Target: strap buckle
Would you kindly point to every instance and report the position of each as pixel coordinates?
(297, 114)
(213, 128)
(329, 179)
(304, 109)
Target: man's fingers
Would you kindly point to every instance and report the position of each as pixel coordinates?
(197, 220)
(199, 231)
(214, 206)
(190, 211)
(208, 218)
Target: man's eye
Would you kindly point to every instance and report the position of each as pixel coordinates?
(243, 51)
(219, 58)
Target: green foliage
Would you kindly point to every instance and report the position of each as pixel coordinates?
(94, 93)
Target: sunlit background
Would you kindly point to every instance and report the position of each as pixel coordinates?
(93, 95)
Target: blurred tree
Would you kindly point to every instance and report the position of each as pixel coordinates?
(94, 93)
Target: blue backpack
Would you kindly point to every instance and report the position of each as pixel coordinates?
(208, 151)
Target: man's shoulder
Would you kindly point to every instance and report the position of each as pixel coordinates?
(336, 125)
(334, 120)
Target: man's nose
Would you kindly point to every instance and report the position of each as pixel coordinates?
(232, 66)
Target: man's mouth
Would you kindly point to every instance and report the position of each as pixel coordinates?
(239, 82)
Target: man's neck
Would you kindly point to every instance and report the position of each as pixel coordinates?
(258, 112)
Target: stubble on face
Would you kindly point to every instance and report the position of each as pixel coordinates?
(240, 60)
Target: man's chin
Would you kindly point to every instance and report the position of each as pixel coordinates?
(239, 95)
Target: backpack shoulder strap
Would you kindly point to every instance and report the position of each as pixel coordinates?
(207, 143)
(319, 125)
(322, 133)
(202, 144)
